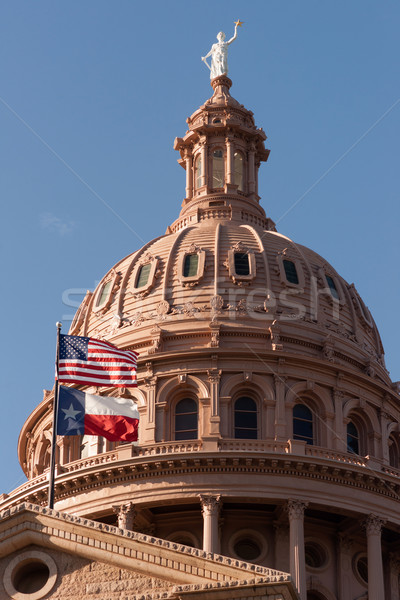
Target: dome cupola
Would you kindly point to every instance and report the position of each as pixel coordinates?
(221, 153)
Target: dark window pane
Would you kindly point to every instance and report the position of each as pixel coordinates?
(143, 275)
(190, 265)
(247, 549)
(247, 404)
(245, 419)
(303, 424)
(186, 420)
(290, 271)
(242, 266)
(353, 444)
(332, 287)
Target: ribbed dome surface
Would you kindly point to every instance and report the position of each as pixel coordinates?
(303, 317)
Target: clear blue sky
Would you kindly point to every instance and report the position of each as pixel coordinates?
(92, 96)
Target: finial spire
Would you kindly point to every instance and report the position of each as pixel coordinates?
(219, 53)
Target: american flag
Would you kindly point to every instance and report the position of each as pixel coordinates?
(88, 361)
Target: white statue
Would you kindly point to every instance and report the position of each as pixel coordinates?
(219, 54)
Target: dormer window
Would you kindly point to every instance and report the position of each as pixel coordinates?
(102, 297)
(218, 169)
(238, 170)
(332, 287)
(198, 172)
(242, 265)
(190, 265)
(290, 271)
(105, 293)
(143, 275)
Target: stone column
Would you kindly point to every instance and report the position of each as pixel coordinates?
(251, 170)
(280, 420)
(126, 514)
(214, 377)
(340, 439)
(373, 527)
(394, 569)
(229, 162)
(211, 506)
(149, 433)
(189, 174)
(345, 575)
(297, 555)
(204, 160)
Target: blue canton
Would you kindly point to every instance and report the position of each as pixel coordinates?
(73, 347)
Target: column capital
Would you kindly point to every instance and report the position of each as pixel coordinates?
(373, 524)
(126, 514)
(210, 505)
(296, 508)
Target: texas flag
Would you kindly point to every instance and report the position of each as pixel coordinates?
(80, 413)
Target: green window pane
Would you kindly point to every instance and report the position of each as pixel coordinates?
(290, 271)
(190, 265)
(102, 297)
(143, 276)
(332, 287)
(238, 170)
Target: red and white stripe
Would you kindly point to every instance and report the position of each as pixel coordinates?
(106, 366)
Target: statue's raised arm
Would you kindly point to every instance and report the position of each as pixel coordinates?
(219, 54)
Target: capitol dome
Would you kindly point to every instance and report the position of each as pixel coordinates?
(269, 426)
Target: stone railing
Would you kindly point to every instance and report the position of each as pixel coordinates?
(341, 457)
(268, 446)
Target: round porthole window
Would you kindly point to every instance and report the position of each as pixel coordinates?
(248, 545)
(30, 576)
(315, 555)
(362, 568)
(247, 549)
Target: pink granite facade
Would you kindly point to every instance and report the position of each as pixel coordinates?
(269, 428)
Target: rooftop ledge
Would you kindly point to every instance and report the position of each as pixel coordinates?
(129, 463)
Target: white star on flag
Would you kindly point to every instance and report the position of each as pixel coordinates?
(70, 413)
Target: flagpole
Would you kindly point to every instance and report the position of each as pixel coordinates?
(54, 437)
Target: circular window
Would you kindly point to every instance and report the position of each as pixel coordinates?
(249, 545)
(30, 575)
(362, 568)
(315, 555)
(247, 549)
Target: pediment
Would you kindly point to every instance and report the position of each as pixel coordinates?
(88, 555)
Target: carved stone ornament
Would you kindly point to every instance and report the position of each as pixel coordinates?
(126, 514)
(373, 524)
(217, 302)
(163, 309)
(296, 508)
(210, 505)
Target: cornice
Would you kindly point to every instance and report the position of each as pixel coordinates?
(164, 460)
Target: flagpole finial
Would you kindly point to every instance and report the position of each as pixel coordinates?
(58, 325)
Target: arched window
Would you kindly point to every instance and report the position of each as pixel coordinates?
(393, 452)
(303, 426)
(218, 169)
(198, 172)
(353, 439)
(246, 419)
(143, 275)
(290, 271)
(238, 170)
(186, 420)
